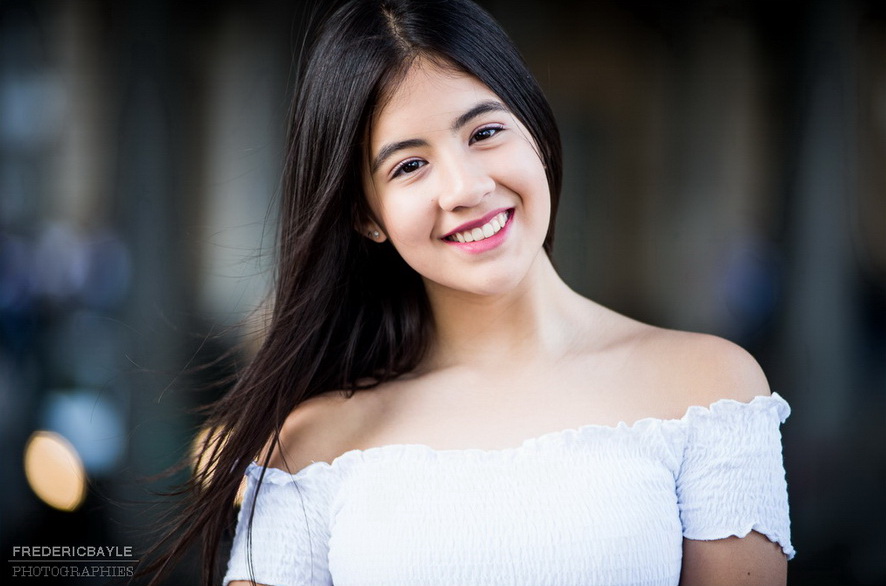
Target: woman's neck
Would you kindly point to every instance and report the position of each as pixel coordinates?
(538, 318)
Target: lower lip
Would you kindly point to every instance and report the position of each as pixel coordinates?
(486, 244)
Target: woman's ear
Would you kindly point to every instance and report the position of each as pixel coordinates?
(372, 231)
(366, 225)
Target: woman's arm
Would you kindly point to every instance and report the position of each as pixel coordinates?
(749, 561)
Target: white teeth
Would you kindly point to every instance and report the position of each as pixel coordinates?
(488, 229)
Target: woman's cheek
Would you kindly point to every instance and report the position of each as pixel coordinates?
(408, 217)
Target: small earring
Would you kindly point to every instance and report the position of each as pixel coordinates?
(373, 234)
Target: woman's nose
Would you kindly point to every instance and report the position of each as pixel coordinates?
(464, 183)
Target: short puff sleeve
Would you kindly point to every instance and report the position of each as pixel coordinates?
(287, 543)
(732, 479)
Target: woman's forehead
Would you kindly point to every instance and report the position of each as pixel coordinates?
(430, 94)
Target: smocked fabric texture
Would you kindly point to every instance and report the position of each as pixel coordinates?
(595, 505)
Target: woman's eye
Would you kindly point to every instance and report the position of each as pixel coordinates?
(486, 132)
(410, 166)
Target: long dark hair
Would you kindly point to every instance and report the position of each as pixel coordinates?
(348, 313)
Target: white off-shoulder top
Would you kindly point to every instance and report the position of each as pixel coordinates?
(595, 505)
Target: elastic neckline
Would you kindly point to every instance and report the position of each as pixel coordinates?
(563, 436)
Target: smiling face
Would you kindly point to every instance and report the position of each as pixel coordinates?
(455, 181)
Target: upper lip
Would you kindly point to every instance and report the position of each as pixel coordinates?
(476, 223)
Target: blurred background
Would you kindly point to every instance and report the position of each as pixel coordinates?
(725, 173)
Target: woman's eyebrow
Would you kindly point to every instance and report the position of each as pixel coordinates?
(391, 148)
(478, 110)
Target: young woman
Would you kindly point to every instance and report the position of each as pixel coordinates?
(432, 404)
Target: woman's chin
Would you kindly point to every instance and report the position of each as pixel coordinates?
(489, 285)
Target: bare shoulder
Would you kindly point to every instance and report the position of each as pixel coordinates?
(317, 430)
(699, 369)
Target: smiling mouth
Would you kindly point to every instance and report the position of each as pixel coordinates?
(487, 230)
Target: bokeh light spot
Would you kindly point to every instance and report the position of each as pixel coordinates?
(54, 471)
